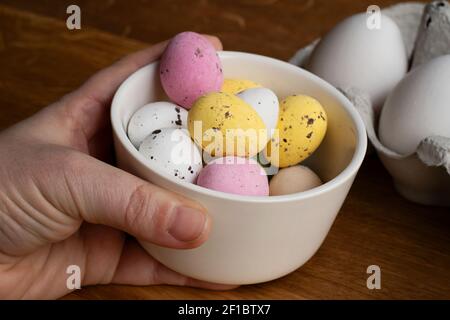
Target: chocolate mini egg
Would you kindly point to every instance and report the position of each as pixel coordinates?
(190, 68)
(154, 116)
(224, 124)
(235, 175)
(234, 86)
(172, 151)
(302, 125)
(265, 102)
(292, 180)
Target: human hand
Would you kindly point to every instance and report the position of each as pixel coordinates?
(61, 204)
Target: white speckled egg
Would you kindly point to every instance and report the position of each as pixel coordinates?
(351, 54)
(154, 116)
(418, 107)
(266, 104)
(173, 152)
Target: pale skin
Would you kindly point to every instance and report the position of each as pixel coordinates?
(62, 203)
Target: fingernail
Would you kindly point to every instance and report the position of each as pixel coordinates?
(188, 224)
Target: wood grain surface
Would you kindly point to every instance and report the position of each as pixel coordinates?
(40, 60)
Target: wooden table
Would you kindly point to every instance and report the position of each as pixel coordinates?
(40, 60)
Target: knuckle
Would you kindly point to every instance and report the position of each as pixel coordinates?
(146, 209)
(66, 112)
(67, 161)
(51, 158)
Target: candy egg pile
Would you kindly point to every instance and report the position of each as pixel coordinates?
(224, 134)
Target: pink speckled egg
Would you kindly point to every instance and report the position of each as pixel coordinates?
(190, 68)
(235, 175)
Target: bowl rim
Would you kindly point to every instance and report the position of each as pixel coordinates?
(342, 177)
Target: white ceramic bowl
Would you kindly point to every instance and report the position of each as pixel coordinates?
(253, 239)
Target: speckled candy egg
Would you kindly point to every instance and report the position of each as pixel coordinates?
(190, 68)
(154, 116)
(172, 151)
(302, 125)
(265, 102)
(235, 175)
(234, 86)
(224, 124)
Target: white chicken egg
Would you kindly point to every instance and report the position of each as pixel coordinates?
(354, 55)
(154, 116)
(266, 104)
(172, 151)
(418, 107)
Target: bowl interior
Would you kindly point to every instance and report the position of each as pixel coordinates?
(345, 132)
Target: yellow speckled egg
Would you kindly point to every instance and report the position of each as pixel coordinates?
(234, 86)
(225, 125)
(302, 125)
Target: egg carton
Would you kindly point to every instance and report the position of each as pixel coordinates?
(426, 33)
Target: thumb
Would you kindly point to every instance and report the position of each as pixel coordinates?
(103, 194)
